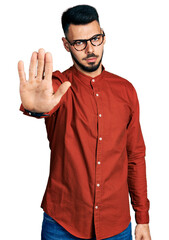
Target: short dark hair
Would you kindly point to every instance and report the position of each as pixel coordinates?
(80, 14)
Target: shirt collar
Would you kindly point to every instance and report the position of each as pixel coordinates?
(85, 78)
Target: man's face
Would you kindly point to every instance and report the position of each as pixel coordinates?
(90, 58)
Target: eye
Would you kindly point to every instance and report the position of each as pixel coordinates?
(79, 43)
(96, 38)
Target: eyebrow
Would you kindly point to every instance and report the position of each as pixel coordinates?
(86, 39)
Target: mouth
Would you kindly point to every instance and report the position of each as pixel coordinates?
(92, 59)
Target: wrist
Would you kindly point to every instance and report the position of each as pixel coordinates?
(35, 114)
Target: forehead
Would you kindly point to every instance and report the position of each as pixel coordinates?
(83, 31)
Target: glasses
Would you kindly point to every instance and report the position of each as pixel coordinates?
(81, 44)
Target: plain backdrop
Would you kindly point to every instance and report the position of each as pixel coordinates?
(137, 49)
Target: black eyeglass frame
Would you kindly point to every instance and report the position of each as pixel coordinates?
(86, 40)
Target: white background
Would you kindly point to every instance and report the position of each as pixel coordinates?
(137, 49)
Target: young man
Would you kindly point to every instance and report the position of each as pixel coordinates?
(97, 147)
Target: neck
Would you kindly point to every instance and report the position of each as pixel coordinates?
(90, 74)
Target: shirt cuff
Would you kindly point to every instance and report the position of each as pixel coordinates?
(142, 217)
(34, 114)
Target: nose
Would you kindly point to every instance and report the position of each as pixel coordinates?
(89, 47)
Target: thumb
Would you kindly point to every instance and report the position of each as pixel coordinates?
(61, 91)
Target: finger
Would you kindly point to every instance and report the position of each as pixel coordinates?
(61, 91)
(40, 69)
(32, 66)
(48, 66)
(21, 71)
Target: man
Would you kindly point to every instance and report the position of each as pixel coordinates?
(97, 147)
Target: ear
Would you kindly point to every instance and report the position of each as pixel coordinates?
(65, 44)
(104, 40)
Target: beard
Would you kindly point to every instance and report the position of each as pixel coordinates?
(91, 68)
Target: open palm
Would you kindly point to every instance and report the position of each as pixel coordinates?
(37, 93)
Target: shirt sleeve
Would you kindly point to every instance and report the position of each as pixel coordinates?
(136, 149)
(57, 79)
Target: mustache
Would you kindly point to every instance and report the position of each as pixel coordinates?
(90, 55)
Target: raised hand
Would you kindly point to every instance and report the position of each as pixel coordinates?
(37, 93)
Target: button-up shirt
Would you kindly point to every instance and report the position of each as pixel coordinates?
(97, 155)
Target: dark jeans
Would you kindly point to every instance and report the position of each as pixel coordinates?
(51, 230)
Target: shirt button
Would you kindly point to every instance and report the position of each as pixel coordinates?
(98, 162)
(96, 207)
(100, 138)
(29, 113)
(97, 94)
(100, 115)
(98, 185)
(93, 80)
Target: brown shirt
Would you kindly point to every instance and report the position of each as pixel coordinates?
(97, 156)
